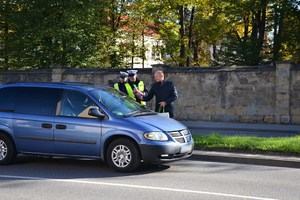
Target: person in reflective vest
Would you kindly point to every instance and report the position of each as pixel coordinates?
(124, 86)
(137, 86)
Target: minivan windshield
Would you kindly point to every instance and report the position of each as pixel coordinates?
(119, 103)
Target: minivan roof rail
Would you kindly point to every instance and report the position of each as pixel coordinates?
(73, 83)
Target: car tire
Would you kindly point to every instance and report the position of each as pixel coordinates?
(7, 150)
(123, 155)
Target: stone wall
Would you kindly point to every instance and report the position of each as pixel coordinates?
(242, 95)
(295, 95)
(26, 76)
(263, 94)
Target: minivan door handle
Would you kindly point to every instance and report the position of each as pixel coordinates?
(45, 125)
(60, 126)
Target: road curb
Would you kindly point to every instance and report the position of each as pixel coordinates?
(254, 159)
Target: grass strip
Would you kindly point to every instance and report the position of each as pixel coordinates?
(286, 145)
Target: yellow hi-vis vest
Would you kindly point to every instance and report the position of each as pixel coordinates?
(141, 88)
(128, 89)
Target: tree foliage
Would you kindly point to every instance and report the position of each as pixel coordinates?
(39, 34)
(111, 33)
(263, 31)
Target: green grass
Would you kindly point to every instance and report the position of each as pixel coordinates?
(286, 145)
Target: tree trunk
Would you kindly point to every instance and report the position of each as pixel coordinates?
(5, 35)
(275, 33)
(246, 28)
(254, 32)
(258, 33)
(132, 50)
(182, 32)
(188, 59)
(278, 27)
(143, 49)
(116, 18)
(196, 44)
(262, 24)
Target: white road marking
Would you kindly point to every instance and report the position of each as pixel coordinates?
(136, 186)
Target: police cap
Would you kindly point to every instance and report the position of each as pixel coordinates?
(123, 74)
(132, 72)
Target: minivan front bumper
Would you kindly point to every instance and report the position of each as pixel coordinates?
(161, 152)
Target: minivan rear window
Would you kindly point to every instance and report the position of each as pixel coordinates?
(37, 101)
(7, 99)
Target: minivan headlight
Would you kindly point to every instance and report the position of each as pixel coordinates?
(158, 136)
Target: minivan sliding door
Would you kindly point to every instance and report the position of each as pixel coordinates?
(35, 109)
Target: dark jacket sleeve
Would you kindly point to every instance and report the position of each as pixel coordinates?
(149, 95)
(173, 95)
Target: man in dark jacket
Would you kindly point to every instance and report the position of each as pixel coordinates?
(164, 91)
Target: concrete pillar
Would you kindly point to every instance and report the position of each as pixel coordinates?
(283, 90)
(57, 72)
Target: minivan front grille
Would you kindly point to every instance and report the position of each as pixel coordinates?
(183, 136)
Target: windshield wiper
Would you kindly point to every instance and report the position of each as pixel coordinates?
(132, 113)
(141, 113)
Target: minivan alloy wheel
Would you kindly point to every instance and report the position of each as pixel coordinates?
(121, 156)
(7, 150)
(3, 150)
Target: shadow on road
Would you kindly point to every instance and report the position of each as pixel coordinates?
(70, 168)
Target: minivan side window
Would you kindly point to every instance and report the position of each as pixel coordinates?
(76, 104)
(7, 99)
(38, 101)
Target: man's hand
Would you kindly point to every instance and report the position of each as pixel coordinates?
(138, 94)
(163, 103)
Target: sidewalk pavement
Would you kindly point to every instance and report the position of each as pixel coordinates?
(260, 130)
(230, 128)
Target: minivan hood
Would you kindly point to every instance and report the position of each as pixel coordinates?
(154, 122)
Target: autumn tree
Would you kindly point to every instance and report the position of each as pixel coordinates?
(111, 33)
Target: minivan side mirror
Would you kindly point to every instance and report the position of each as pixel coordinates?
(96, 113)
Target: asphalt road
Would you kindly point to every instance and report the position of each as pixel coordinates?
(61, 178)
